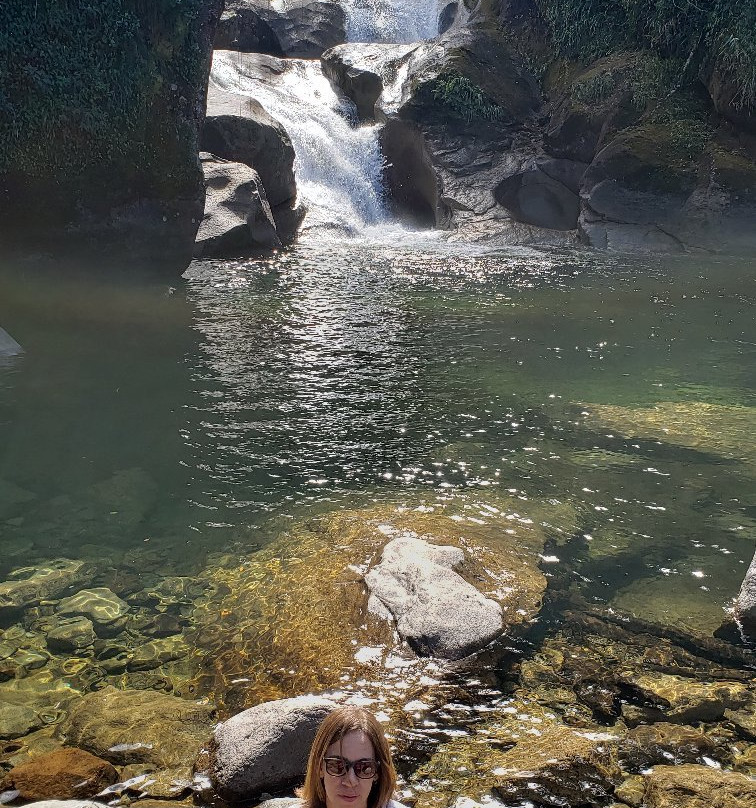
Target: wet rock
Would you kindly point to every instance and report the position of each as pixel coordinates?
(265, 748)
(153, 654)
(66, 804)
(685, 701)
(560, 766)
(745, 603)
(30, 585)
(698, 787)
(8, 347)
(164, 625)
(102, 606)
(75, 634)
(726, 431)
(647, 746)
(237, 128)
(744, 722)
(522, 754)
(142, 726)
(64, 774)
(302, 31)
(416, 582)
(357, 72)
(269, 628)
(631, 791)
(17, 720)
(237, 219)
(745, 762)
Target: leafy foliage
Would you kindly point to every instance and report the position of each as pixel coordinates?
(82, 82)
(712, 34)
(463, 98)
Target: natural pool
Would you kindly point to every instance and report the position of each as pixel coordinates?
(162, 431)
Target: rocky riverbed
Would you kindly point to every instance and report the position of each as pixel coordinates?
(495, 678)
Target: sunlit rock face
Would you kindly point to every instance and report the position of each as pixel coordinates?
(745, 604)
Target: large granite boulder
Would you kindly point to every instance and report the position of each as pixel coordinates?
(698, 787)
(67, 773)
(302, 30)
(237, 219)
(264, 749)
(642, 192)
(108, 165)
(745, 603)
(415, 582)
(237, 128)
(163, 733)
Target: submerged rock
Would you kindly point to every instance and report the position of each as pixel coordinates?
(64, 774)
(17, 720)
(74, 634)
(416, 582)
(647, 746)
(237, 218)
(698, 787)
(270, 633)
(265, 749)
(30, 585)
(9, 346)
(142, 726)
(100, 605)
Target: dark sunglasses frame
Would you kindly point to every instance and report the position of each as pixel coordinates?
(342, 766)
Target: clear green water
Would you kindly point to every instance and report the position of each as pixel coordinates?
(153, 424)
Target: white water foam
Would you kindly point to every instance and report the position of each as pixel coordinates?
(338, 165)
(394, 21)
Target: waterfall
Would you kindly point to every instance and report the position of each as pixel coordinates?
(395, 21)
(338, 165)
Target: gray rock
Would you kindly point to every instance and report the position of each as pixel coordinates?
(435, 609)
(17, 720)
(303, 30)
(265, 748)
(237, 128)
(74, 634)
(101, 605)
(357, 73)
(238, 219)
(9, 346)
(745, 604)
(533, 197)
(29, 585)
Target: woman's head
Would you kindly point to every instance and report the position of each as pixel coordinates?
(348, 735)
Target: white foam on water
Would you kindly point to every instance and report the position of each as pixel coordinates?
(392, 20)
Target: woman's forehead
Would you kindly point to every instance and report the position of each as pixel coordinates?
(353, 745)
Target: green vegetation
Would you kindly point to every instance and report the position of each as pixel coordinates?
(699, 34)
(463, 98)
(85, 84)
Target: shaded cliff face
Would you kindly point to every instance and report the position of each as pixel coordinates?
(100, 109)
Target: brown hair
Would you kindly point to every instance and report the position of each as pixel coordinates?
(338, 723)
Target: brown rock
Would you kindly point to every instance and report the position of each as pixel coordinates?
(698, 787)
(67, 773)
(647, 746)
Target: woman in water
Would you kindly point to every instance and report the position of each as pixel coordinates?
(350, 763)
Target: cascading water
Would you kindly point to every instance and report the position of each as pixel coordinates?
(338, 164)
(392, 20)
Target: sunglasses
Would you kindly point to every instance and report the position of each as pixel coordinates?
(365, 769)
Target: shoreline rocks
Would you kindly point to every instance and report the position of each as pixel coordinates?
(265, 749)
(745, 603)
